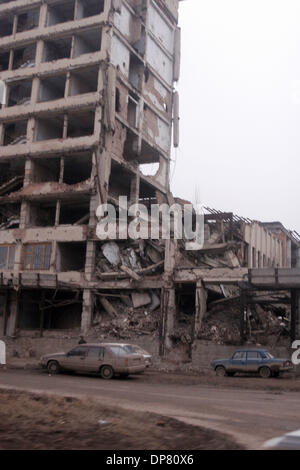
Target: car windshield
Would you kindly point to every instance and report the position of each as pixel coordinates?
(134, 349)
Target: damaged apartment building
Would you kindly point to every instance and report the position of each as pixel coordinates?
(89, 106)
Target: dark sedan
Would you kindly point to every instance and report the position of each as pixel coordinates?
(256, 361)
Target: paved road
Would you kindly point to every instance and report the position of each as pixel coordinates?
(250, 416)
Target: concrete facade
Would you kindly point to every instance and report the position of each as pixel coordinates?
(89, 102)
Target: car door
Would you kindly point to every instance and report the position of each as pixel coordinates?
(238, 362)
(75, 359)
(94, 358)
(254, 361)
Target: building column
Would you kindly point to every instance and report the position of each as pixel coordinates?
(13, 313)
(87, 311)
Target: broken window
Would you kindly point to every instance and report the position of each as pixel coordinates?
(11, 175)
(7, 257)
(84, 81)
(49, 309)
(136, 71)
(118, 102)
(28, 20)
(52, 88)
(6, 26)
(130, 151)
(4, 61)
(37, 256)
(70, 256)
(87, 42)
(15, 133)
(60, 13)
(76, 212)
(49, 128)
(133, 110)
(77, 168)
(81, 124)
(88, 8)
(24, 57)
(42, 214)
(19, 93)
(119, 181)
(9, 216)
(57, 49)
(45, 170)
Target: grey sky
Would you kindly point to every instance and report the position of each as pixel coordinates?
(240, 108)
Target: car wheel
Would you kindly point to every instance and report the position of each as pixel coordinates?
(53, 367)
(106, 372)
(220, 371)
(265, 372)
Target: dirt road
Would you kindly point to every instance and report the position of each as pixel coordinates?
(250, 416)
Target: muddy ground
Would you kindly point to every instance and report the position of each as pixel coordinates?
(36, 421)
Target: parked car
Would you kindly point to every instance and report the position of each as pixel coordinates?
(106, 359)
(253, 361)
(133, 348)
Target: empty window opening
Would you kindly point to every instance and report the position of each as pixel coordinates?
(139, 45)
(52, 88)
(130, 151)
(133, 110)
(25, 57)
(87, 42)
(37, 256)
(73, 212)
(149, 154)
(57, 49)
(11, 176)
(118, 102)
(29, 20)
(119, 181)
(77, 169)
(84, 81)
(43, 171)
(51, 128)
(60, 13)
(19, 93)
(70, 256)
(136, 71)
(88, 8)
(10, 216)
(42, 214)
(15, 133)
(4, 61)
(147, 191)
(49, 310)
(7, 257)
(6, 26)
(81, 124)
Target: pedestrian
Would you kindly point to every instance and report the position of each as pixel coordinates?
(82, 340)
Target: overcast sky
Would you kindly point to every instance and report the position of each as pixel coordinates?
(240, 108)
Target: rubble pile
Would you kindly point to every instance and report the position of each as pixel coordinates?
(129, 258)
(129, 321)
(222, 325)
